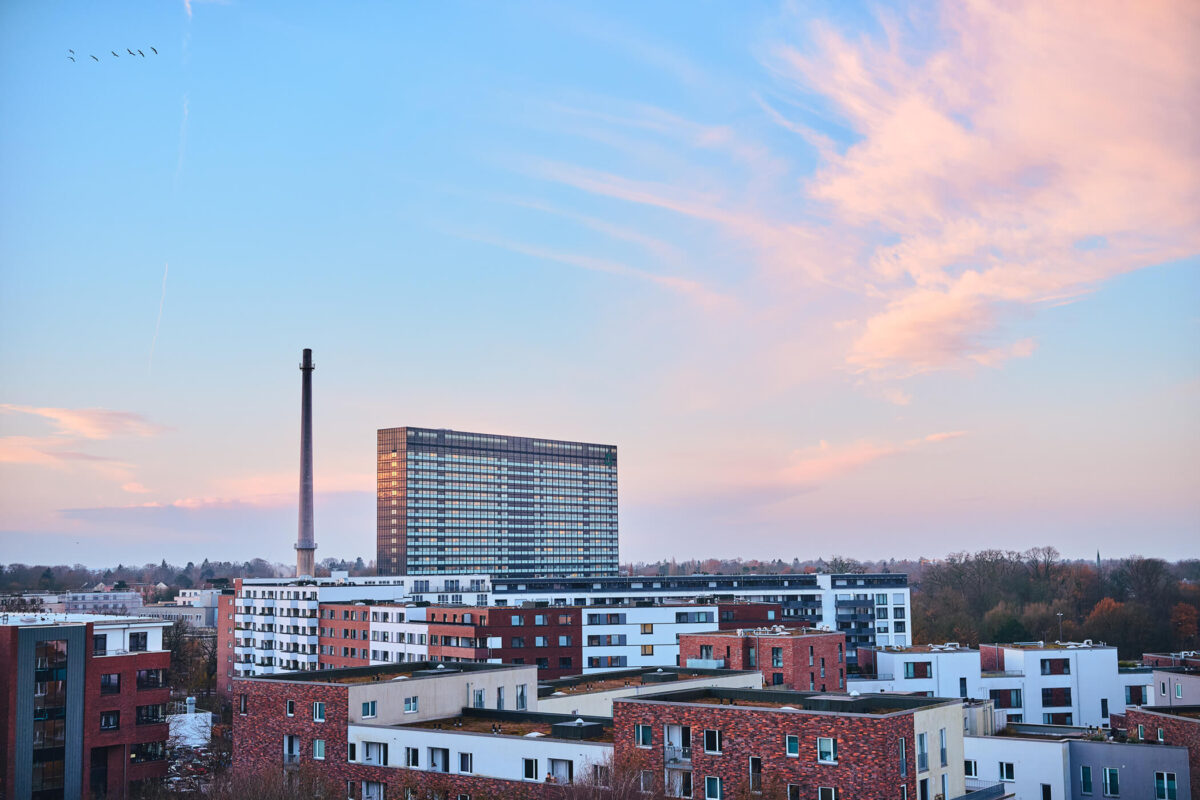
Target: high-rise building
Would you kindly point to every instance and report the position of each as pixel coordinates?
(454, 502)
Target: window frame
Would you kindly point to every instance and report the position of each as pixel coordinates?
(833, 750)
(789, 740)
(717, 738)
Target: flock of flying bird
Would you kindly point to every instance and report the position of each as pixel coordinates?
(116, 54)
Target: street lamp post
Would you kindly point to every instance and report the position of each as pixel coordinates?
(1059, 614)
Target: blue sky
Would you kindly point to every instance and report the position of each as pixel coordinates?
(875, 280)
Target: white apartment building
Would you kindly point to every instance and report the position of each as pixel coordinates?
(1067, 683)
(628, 637)
(399, 634)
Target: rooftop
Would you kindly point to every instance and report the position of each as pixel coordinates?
(948, 647)
(520, 724)
(1086, 644)
(800, 702)
(386, 672)
(619, 679)
(17, 619)
(1187, 712)
(775, 631)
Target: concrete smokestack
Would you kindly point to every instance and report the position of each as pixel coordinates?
(306, 548)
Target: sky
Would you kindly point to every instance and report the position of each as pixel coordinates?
(878, 280)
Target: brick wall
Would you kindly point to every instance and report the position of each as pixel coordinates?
(432, 784)
(1182, 731)
(868, 752)
(751, 615)
(497, 622)
(258, 733)
(117, 744)
(991, 658)
(226, 659)
(343, 626)
(795, 671)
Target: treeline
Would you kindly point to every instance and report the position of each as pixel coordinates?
(63, 578)
(1139, 604)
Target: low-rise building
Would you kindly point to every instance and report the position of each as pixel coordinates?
(1166, 725)
(1175, 687)
(84, 699)
(804, 659)
(1060, 683)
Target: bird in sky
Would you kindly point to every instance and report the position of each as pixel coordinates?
(127, 50)
(72, 52)
(71, 57)
(114, 52)
(140, 53)
(95, 59)
(155, 51)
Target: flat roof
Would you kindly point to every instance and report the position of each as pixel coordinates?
(534, 725)
(798, 702)
(619, 679)
(1054, 645)
(921, 648)
(18, 619)
(768, 633)
(384, 672)
(1186, 712)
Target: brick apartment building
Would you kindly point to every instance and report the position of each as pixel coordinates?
(226, 608)
(344, 638)
(1172, 725)
(804, 659)
(722, 743)
(1186, 658)
(83, 699)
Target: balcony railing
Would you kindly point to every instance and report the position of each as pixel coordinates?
(870, 676)
(922, 762)
(1000, 673)
(756, 782)
(978, 789)
(706, 663)
(291, 759)
(678, 755)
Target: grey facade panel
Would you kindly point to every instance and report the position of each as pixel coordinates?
(1136, 765)
(76, 639)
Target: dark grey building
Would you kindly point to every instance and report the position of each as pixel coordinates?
(1117, 769)
(450, 502)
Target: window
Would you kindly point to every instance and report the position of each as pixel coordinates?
(137, 642)
(643, 735)
(712, 741)
(522, 697)
(647, 649)
(540, 619)
(151, 715)
(1112, 782)
(564, 641)
(466, 763)
(1007, 773)
(530, 770)
(319, 749)
(776, 656)
(917, 669)
(791, 745)
(289, 708)
(411, 705)
(942, 746)
(518, 641)
(368, 709)
(646, 781)
(903, 758)
(1161, 738)
(1104, 707)
(412, 757)
(110, 720)
(242, 704)
(647, 627)
(540, 642)
(517, 621)
(970, 768)
(1165, 787)
(922, 752)
(318, 712)
(826, 750)
(111, 684)
(1085, 780)
(478, 699)
(499, 698)
(826, 793)
(1178, 692)
(99, 644)
(794, 790)
(712, 788)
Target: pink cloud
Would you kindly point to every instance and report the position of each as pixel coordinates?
(1033, 127)
(89, 423)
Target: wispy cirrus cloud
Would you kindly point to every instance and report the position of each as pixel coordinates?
(992, 157)
(89, 423)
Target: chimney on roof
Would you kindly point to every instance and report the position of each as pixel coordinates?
(305, 546)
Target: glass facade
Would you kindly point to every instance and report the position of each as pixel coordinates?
(454, 502)
(49, 718)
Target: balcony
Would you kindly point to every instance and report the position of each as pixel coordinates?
(1000, 673)
(706, 663)
(677, 755)
(870, 676)
(978, 789)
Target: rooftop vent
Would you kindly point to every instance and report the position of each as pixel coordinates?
(576, 730)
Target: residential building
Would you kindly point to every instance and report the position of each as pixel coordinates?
(84, 699)
(1062, 762)
(1186, 658)
(1060, 683)
(450, 502)
(724, 743)
(1166, 725)
(103, 602)
(1171, 687)
(804, 659)
(270, 626)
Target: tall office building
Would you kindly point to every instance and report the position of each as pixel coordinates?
(454, 502)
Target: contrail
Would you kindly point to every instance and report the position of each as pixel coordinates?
(158, 321)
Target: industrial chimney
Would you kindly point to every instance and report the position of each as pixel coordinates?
(305, 546)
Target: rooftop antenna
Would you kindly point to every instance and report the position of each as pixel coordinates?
(305, 546)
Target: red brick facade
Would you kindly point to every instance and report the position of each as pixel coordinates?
(868, 748)
(1171, 660)
(226, 658)
(260, 722)
(345, 635)
(560, 628)
(793, 660)
(1177, 730)
(752, 615)
(115, 746)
